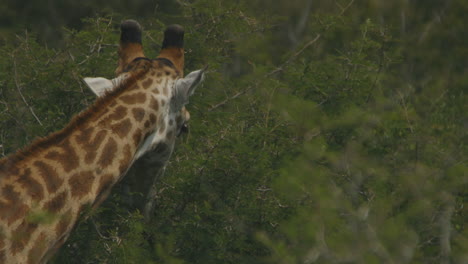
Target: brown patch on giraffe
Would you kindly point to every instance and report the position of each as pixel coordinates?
(133, 87)
(122, 128)
(31, 186)
(21, 235)
(153, 118)
(13, 208)
(147, 83)
(84, 135)
(159, 74)
(81, 183)
(89, 146)
(97, 141)
(108, 153)
(90, 156)
(50, 176)
(148, 123)
(56, 204)
(136, 98)
(8, 168)
(64, 223)
(138, 113)
(68, 158)
(137, 137)
(119, 113)
(38, 250)
(52, 155)
(17, 212)
(154, 104)
(125, 161)
(66, 161)
(9, 194)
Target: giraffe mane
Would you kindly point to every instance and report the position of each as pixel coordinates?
(8, 163)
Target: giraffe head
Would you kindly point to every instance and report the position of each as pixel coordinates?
(132, 59)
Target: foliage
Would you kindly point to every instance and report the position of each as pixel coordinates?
(326, 131)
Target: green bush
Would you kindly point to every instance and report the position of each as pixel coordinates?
(324, 133)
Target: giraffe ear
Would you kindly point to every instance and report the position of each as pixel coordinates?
(185, 87)
(100, 85)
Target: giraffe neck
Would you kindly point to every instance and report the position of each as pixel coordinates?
(44, 188)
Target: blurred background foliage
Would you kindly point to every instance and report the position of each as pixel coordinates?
(325, 132)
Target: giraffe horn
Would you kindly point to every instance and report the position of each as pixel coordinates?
(130, 46)
(173, 46)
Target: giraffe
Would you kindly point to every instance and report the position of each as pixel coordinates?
(47, 186)
(146, 171)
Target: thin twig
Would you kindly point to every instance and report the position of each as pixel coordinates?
(405, 108)
(230, 98)
(346, 8)
(97, 229)
(278, 69)
(379, 70)
(22, 97)
(290, 59)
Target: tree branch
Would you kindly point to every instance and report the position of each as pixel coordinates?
(343, 10)
(21, 94)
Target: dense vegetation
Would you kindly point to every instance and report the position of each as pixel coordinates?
(325, 132)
